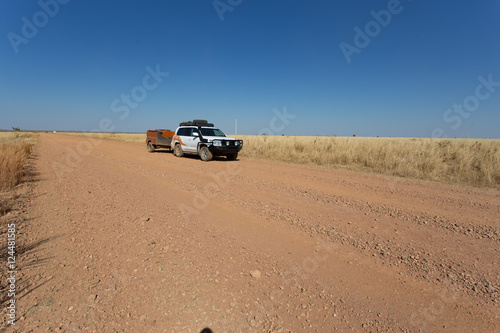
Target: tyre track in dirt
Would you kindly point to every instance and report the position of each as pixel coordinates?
(150, 242)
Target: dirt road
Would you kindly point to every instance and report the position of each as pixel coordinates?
(121, 240)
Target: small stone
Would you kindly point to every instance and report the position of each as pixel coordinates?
(145, 219)
(255, 274)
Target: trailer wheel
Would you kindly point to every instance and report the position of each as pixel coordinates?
(205, 154)
(178, 150)
(151, 147)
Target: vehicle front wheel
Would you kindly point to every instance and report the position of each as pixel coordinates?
(151, 147)
(205, 154)
(232, 157)
(178, 150)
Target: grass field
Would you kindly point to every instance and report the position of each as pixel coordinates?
(473, 162)
(460, 161)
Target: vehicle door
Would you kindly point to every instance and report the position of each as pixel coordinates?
(191, 141)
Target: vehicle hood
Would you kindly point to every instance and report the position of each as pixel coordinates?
(211, 138)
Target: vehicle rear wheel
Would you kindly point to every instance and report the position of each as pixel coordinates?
(178, 150)
(151, 147)
(232, 157)
(205, 154)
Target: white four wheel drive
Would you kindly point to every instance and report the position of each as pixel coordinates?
(198, 137)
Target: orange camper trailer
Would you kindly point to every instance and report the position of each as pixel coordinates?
(159, 138)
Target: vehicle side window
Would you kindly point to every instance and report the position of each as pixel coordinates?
(187, 131)
(184, 132)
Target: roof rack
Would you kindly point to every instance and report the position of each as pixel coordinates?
(197, 122)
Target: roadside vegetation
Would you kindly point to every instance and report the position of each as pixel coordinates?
(15, 148)
(474, 162)
(471, 162)
(126, 137)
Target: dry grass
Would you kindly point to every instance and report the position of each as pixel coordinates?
(4, 205)
(126, 137)
(15, 148)
(18, 137)
(474, 162)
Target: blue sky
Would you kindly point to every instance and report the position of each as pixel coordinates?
(416, 68)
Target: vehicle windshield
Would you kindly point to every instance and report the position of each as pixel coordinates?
(212, 132)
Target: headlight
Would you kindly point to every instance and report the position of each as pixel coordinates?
(217, 143)
(236, 143)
